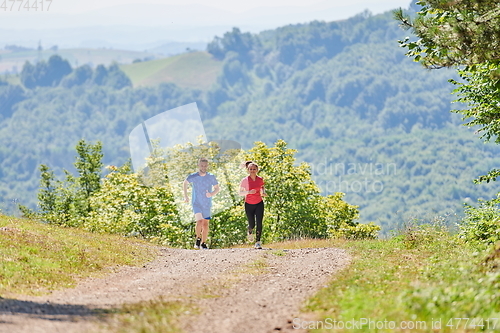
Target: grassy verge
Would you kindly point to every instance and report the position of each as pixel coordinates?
(424, 280)
(36, 257)
(151, 316)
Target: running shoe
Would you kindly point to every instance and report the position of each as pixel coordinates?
(197, 244)
(250, 237)
(258, 245)
(204, 246)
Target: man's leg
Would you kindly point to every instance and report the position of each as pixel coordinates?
(198, 229)
(204, 230)
(198, 216)
(205, 211)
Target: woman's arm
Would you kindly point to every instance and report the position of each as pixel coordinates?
(263, 189)
(263, 192)
(243, 188)
(243, 191)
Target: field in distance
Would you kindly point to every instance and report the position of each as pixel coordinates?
(197, 70)
(13, 61)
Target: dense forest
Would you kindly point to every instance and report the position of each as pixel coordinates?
(369, 121)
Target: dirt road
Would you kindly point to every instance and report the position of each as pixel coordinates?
(256, 291)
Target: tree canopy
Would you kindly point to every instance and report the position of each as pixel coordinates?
(453, 33)
(371, 123)
(464, 34)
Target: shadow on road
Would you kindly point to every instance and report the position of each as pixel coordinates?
(47, 310)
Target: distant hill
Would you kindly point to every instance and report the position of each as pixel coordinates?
(13, 61)
(369, 121)
(196, 70)
(174, 48)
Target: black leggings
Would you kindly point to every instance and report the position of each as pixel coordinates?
(255, 214)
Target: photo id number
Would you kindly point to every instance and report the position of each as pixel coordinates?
(25, 5)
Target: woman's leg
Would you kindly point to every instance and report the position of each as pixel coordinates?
(250, 211)
(259, 216)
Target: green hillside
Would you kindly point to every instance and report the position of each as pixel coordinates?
(196, 70)
(370, 122)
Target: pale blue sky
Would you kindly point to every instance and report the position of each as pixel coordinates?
(131, 23)
(75, 6)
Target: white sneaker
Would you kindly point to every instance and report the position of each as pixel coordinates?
(258, 245)
(251, 238)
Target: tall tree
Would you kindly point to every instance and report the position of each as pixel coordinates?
(66, 202)
(236, 41)
(45, 74)
(464, 34)
(453, 33)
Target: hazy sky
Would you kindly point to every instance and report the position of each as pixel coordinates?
(131, 23)
(75, 6)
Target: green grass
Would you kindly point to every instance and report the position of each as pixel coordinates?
(420, 281)
(150, 316)
(257, 267)
(37, 257)
(196, 70)
(301, 244)
(423, 278)
(279, 253)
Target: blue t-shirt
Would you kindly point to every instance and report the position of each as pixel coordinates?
(202, 184)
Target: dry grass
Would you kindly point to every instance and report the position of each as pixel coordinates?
(36, 257)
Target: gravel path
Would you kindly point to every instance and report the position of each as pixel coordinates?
(258, 291)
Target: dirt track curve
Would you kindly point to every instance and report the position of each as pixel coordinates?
(257, 291)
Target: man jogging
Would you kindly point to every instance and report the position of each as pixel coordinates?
(205, 186)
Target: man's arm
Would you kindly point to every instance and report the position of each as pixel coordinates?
(215, 191)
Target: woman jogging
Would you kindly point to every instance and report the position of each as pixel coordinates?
(252, 187)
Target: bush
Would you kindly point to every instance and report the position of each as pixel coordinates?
(481, 224)
(127, 207)
(341, 219)
(452, 280)
(294, 206)
(66, 202)
(150, 204)
(456, 286)
(228, 227)
(358, 231)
